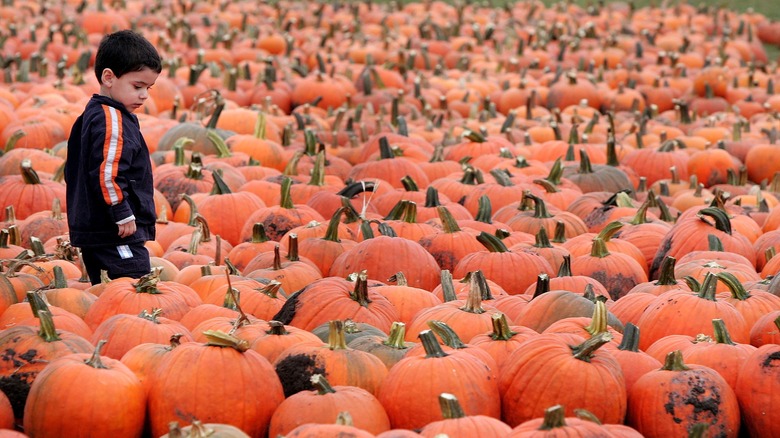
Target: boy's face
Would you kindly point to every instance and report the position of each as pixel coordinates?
(131, 90)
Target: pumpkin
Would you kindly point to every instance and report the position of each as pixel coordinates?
(172, 386)
(456, 422)
(114, 398)
(565, 357)
(340, 364)
(412, 387)
(757, 388)
(323, 403)
(123, 332)
(669, 401)
(28, 350)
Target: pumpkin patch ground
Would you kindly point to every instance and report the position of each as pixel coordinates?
(471, 219)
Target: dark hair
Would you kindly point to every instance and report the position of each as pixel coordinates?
(126, 51)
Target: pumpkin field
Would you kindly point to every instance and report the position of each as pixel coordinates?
(404, 219)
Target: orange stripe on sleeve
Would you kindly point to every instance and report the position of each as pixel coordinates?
(112, 152)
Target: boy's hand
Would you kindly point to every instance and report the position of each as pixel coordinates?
(126, 229)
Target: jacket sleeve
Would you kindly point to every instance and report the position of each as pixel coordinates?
(108, 144)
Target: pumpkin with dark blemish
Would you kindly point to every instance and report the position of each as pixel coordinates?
(670, 401)
(758, 386)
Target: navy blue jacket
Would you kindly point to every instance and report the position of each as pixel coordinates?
(108, 176)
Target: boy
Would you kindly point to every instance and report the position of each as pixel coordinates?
(108, 171)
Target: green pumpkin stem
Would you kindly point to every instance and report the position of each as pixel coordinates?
(484, 210)
(548, 186)
(674, 362)
(219, 187)
(491, 242)
(599, 248)
(432, 197)
(501, 329)
(720, 218)
(714, 243)
(431, 344)
(735, 286)
(542, 240)
(585, 350)
(565, 269)
(94, 361)
(722, 335)
(585, 166)
(630, 341)
(449, 224)
(554, 418)
(666, 276)
(385, 151)
(450, 407)
(707, 289)
(286, 199)
(321, 384)
(47, 330)
(332, 232)
(556, 172)
(448, 336)
(396, 337)
(37, 302)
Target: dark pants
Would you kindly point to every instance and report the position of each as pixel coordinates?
(119, 261)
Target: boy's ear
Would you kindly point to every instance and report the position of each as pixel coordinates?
(107, 76)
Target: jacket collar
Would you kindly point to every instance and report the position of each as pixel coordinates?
(105, 100)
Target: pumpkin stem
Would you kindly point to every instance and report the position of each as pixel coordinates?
(286, 199)
(501, 329)
(707, 288)
(448, 222)
(722, 335)
(491, 242)
(432, 197)
(385, 151)
(502, 178)
(474, 297)
(735, 286)
(395, 339)
(585, 166)
(556, 172)
(542, 285)
(448, 336)
(29, 175)
(630, 341)
(399, 279)
(450, 407)
(542, 240)
(95, 361)
(216, 338)
(565, 269)
(598, 322)
(482, 284)
(47, 331)
(484, 210)
(321, 384)
(360, 292)
(540, 209)
(586, 415)
(560, 232)
(554, 417)
(258, 233)
(431, 344)
(152, 317)
(37, 302)
(599, 248)
(585, 350)
(410, 213)
(219, 187)
(292, 248)
(232, 299)
(674, 362)
(666, 276)
(277, 328)
(720, 218)
(447, 286)
(336, 337)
